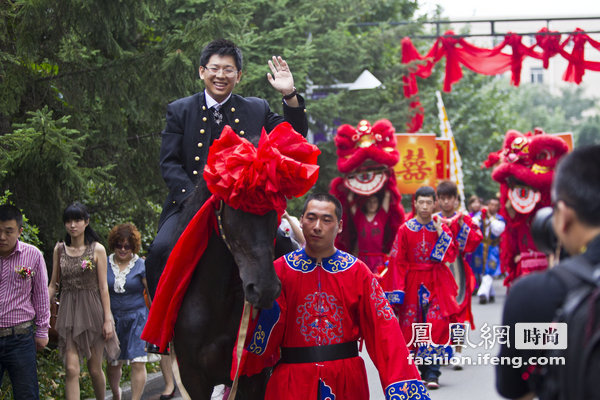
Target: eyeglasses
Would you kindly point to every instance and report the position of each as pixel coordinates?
(227, 71)
(125, 246)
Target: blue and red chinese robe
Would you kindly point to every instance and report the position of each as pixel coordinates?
(337, 301)
(468, 236)
(423, 285)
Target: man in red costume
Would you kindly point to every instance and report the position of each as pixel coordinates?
(467, 235)
(426, 285)
(329, 300)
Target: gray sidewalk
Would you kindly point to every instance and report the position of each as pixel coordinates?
(154, 386)
(152, 391)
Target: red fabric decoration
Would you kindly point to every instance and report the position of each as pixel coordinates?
(549, 42)
(177, 275)
(577, 63)
(459, 52)
(255, 180)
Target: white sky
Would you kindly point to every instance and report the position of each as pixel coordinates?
(514, 8)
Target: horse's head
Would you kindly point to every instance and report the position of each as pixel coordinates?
(255, 183)
(250, 239)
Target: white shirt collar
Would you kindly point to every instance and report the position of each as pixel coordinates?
(210, 102)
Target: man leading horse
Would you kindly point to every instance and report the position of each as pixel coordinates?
(329, 301)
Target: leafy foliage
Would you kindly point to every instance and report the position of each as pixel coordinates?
(51, 377)
(84, 87)
(30, 232)
(41, 162)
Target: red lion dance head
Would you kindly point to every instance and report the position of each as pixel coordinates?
(366, 157)
(524, 167)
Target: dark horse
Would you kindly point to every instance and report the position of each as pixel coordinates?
(237, 263)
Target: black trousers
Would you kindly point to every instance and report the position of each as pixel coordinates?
(159, 251)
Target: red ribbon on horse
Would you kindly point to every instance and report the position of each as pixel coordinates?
(252, 179)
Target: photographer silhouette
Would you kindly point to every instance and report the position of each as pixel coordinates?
(565, 293)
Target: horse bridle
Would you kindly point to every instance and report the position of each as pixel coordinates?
(246, 312)
(219, 214)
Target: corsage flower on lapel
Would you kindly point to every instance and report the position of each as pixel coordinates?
(87, 264)
(25, 272)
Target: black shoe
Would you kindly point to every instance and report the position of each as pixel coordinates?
(168, 396)
(152, 348)
(457, 367)
(482, 299)
(492, 299)
(432, 384)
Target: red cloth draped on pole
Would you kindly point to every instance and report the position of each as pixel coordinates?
(459, 52)
(254, 180)
(577, 63)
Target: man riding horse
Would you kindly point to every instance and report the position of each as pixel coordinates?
(224, 257)
(193, 123)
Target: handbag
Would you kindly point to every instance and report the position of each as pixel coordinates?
(54, 303)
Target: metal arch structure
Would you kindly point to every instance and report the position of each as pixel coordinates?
(492, 33)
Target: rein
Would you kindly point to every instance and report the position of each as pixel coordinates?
(219, 214)
(243, 331)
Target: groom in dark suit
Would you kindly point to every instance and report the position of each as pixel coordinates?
(194, 122)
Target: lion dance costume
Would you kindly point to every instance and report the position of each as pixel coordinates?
(366, 157)
(524, 167)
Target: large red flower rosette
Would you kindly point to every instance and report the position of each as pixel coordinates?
(257, 180)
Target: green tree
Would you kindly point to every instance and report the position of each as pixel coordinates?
(30, 232)
(589, 133)
(41, 161)
(110, 67)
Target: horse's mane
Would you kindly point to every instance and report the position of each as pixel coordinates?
(191, 206)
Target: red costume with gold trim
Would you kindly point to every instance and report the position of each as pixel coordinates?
(370, 238)
(524, 167)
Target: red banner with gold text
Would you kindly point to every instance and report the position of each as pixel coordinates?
(417, 164)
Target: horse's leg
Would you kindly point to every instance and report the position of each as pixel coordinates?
(253, 387)
(188, 348)
(207, 322)
(195, 384)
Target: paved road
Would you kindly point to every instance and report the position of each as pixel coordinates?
(473, 382)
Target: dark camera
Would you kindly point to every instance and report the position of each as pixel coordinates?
(542, 231)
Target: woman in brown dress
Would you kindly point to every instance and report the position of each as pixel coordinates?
(84, 323)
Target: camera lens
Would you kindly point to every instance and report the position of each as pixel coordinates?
(542, 231)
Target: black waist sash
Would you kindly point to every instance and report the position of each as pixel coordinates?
(311, 354)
